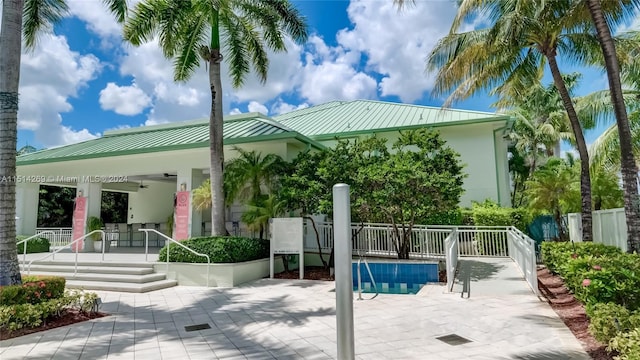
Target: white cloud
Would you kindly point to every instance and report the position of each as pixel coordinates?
(235, 111)
(255, 106)
(396, 43)
(124, 100)
(50, 75)
(281, 107)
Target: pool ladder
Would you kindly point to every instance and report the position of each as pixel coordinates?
(373, 281)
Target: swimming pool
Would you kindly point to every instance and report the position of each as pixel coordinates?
(395, 277)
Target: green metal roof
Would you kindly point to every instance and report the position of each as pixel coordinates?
(243, 128)
(366, 116)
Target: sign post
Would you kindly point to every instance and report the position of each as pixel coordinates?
(181, 226)
(286, 238)
(79, 222)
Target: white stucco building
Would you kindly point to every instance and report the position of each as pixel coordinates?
(151, 163)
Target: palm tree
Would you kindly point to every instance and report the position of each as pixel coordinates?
(260, 211)
(19, 18)
(241, 30)
(605, 150)
(551, 186)
(629, 169)
(510, 55)
(540, 120)
(248, 175)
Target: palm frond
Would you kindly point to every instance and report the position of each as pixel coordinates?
(40, 15)
(118, 8)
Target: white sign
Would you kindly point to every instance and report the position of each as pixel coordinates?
(287, 237)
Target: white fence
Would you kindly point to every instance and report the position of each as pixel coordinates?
(60, 237)
(451, 243)
(609, 227)
(522, 249)
(426, 241)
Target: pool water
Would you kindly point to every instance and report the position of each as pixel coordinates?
(395, 277)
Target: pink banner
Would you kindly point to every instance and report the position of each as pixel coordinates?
(79, 220)
(183, 204)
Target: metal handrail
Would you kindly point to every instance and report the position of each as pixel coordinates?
(24, 251)
(146, 249)
(373, 281)
(75, 269)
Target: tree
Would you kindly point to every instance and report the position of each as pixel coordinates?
(605, 150)
(190, 31)
(55, 206)
(508, 57)
(259, 212)
(629, 170)
(551, 188)
(250, 175)
(37, 15)
(417, 177)
(420, 176)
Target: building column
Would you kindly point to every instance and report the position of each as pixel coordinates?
(187, 180)
(93, 192)
(27, 201)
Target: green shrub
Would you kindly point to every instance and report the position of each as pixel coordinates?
(608, 320)
(489, 213)
(222, 249)
(35, 245)
(627, 344)
(33, 290)
(557, 254)
(450, 217)
(18, 316)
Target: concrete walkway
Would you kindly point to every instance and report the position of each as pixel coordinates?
(484, 276)
(293, 319)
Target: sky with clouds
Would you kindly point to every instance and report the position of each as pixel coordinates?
(83, 79)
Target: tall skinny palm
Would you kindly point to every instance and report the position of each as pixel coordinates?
(28, 18)
(628, 166)
(191, 31)
(510, 54)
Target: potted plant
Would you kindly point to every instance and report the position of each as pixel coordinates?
(95, 223)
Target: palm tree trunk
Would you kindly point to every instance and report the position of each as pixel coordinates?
(218, 227)
(585, 176)
(10, 48)
(627, 162)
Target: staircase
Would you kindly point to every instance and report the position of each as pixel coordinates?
(105, 276)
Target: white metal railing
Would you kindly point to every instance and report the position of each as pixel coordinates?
(522, 249)
(58, 237)
(373, 281)
(426, 241)
(24, 241)
(76, 241)
(146, 249)
(451, 244)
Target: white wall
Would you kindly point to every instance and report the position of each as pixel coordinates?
(487, 170)
(153, 204)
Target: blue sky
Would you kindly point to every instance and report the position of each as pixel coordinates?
(83, 80)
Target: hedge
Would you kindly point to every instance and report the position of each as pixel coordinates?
(489, 213)
(33, 290)
(18, 316)
(221, 249)
(35, 245)
(607, 281)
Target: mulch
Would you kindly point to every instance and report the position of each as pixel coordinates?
(67, 318)
(571, 311)
(310, 273)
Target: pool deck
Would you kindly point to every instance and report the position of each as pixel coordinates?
(295, 319)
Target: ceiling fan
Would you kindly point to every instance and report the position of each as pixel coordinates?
(142, 186)
(169, 175)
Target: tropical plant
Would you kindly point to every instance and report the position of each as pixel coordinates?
(250, 175)
(260, 211)
(95, 223)
(21, 19)
(508, 56)
(190, 31)
(202, 196)
(605, 189)
(602, 14)
(605, 150)
(37, 15)
(551, 188)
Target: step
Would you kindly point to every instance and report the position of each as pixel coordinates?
(121, 286)
(93, 269)
(112, 264)
(104, 277)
